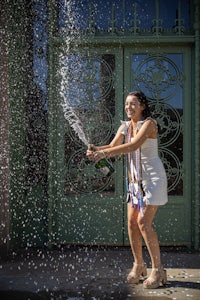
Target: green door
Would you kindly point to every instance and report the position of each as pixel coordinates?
(85, 206)
(161, 75)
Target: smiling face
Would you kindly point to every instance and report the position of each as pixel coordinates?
(134, 108)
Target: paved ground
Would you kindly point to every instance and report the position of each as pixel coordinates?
(79, 273)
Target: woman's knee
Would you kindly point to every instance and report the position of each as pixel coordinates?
(144, 224)
(132, 217)
(132, 223)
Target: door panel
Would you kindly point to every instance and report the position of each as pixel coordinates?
(160, 77)
(88, 205)
(85, 206)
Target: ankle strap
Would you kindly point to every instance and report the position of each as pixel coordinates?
(158, 268)
(139, 265)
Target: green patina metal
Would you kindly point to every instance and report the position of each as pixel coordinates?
(18, 60)
(93, 40)
(99, 217)
(196, 176)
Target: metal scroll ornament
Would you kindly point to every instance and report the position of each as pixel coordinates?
(160, 78)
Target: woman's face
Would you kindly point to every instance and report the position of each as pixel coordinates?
(133, 108)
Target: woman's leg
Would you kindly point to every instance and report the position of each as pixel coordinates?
(135, 237)
(149, 235)
(158, 274)
(134, 234)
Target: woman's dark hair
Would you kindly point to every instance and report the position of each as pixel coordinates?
(144, 101)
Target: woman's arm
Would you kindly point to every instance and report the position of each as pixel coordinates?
(118, 140)
(148, 130)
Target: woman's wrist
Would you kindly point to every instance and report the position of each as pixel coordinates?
(103, 153)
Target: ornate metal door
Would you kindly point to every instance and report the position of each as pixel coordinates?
(86, 206)
(161, 76)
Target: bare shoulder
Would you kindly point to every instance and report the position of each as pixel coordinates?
(150, 121)
(151, 124)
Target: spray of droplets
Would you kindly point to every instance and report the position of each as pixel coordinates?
(69, 112)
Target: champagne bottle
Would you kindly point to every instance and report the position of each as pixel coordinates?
(104, 166)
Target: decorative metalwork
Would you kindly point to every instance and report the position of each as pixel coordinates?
(174, 167)
(40, 35)
(170, 122)
(157, 23)
(179, 21)
(89, 86)
(36, 105)
(82, 176)
(160, 77)
(94, 17)
(88, 79)
(90, 118)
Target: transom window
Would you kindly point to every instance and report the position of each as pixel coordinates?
(139, 16)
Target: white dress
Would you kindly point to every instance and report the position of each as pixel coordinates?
(154, 180)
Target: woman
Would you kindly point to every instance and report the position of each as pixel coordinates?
(147, 184)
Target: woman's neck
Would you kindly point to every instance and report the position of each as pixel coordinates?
(134, 122)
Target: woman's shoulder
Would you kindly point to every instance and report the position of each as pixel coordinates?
(149, 120)
(125, 124)
(152, 125)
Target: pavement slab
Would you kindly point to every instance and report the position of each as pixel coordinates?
(95, 273)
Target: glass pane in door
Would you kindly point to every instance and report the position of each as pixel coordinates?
(89, 207)
(160, 78)
(90, 110)
(163, 77)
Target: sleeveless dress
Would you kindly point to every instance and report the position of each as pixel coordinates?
(153, 175)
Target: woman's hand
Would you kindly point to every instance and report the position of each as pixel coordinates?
(90, 151)
(92, 147)
(90, 154)
(98, 155)
(95, 155)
